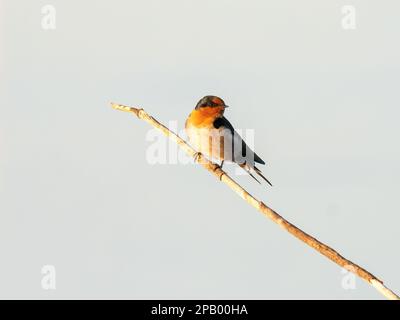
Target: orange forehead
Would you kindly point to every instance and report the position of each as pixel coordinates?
(217, 101)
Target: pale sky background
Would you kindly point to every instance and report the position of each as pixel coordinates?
(77, 192)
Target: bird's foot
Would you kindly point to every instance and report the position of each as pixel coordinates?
(197, 156)
(218, 166)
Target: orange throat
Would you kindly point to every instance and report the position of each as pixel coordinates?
(205, 117)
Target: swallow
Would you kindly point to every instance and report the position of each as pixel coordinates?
(210, 133)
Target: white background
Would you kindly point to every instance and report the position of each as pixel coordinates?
(77, 192)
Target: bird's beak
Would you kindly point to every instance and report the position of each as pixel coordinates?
(225, 106)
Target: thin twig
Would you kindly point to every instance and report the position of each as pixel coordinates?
(260, 206)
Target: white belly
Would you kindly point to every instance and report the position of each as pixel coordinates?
(214, 143)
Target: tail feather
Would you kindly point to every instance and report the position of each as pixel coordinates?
(251, 175)
(247, 168)
(258, 171)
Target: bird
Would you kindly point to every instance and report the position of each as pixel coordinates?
(210, 133)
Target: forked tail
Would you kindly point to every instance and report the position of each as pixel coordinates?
(247, 168)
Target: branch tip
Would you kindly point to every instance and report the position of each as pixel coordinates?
(124, 108)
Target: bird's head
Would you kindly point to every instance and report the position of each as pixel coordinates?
(213, 102)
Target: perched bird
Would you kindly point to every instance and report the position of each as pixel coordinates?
(210, 133)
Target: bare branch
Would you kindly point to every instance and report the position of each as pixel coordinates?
(260, 206)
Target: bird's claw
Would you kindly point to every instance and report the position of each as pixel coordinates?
(216, 167)
(219, 166)
(221, 172)
(196, 156)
